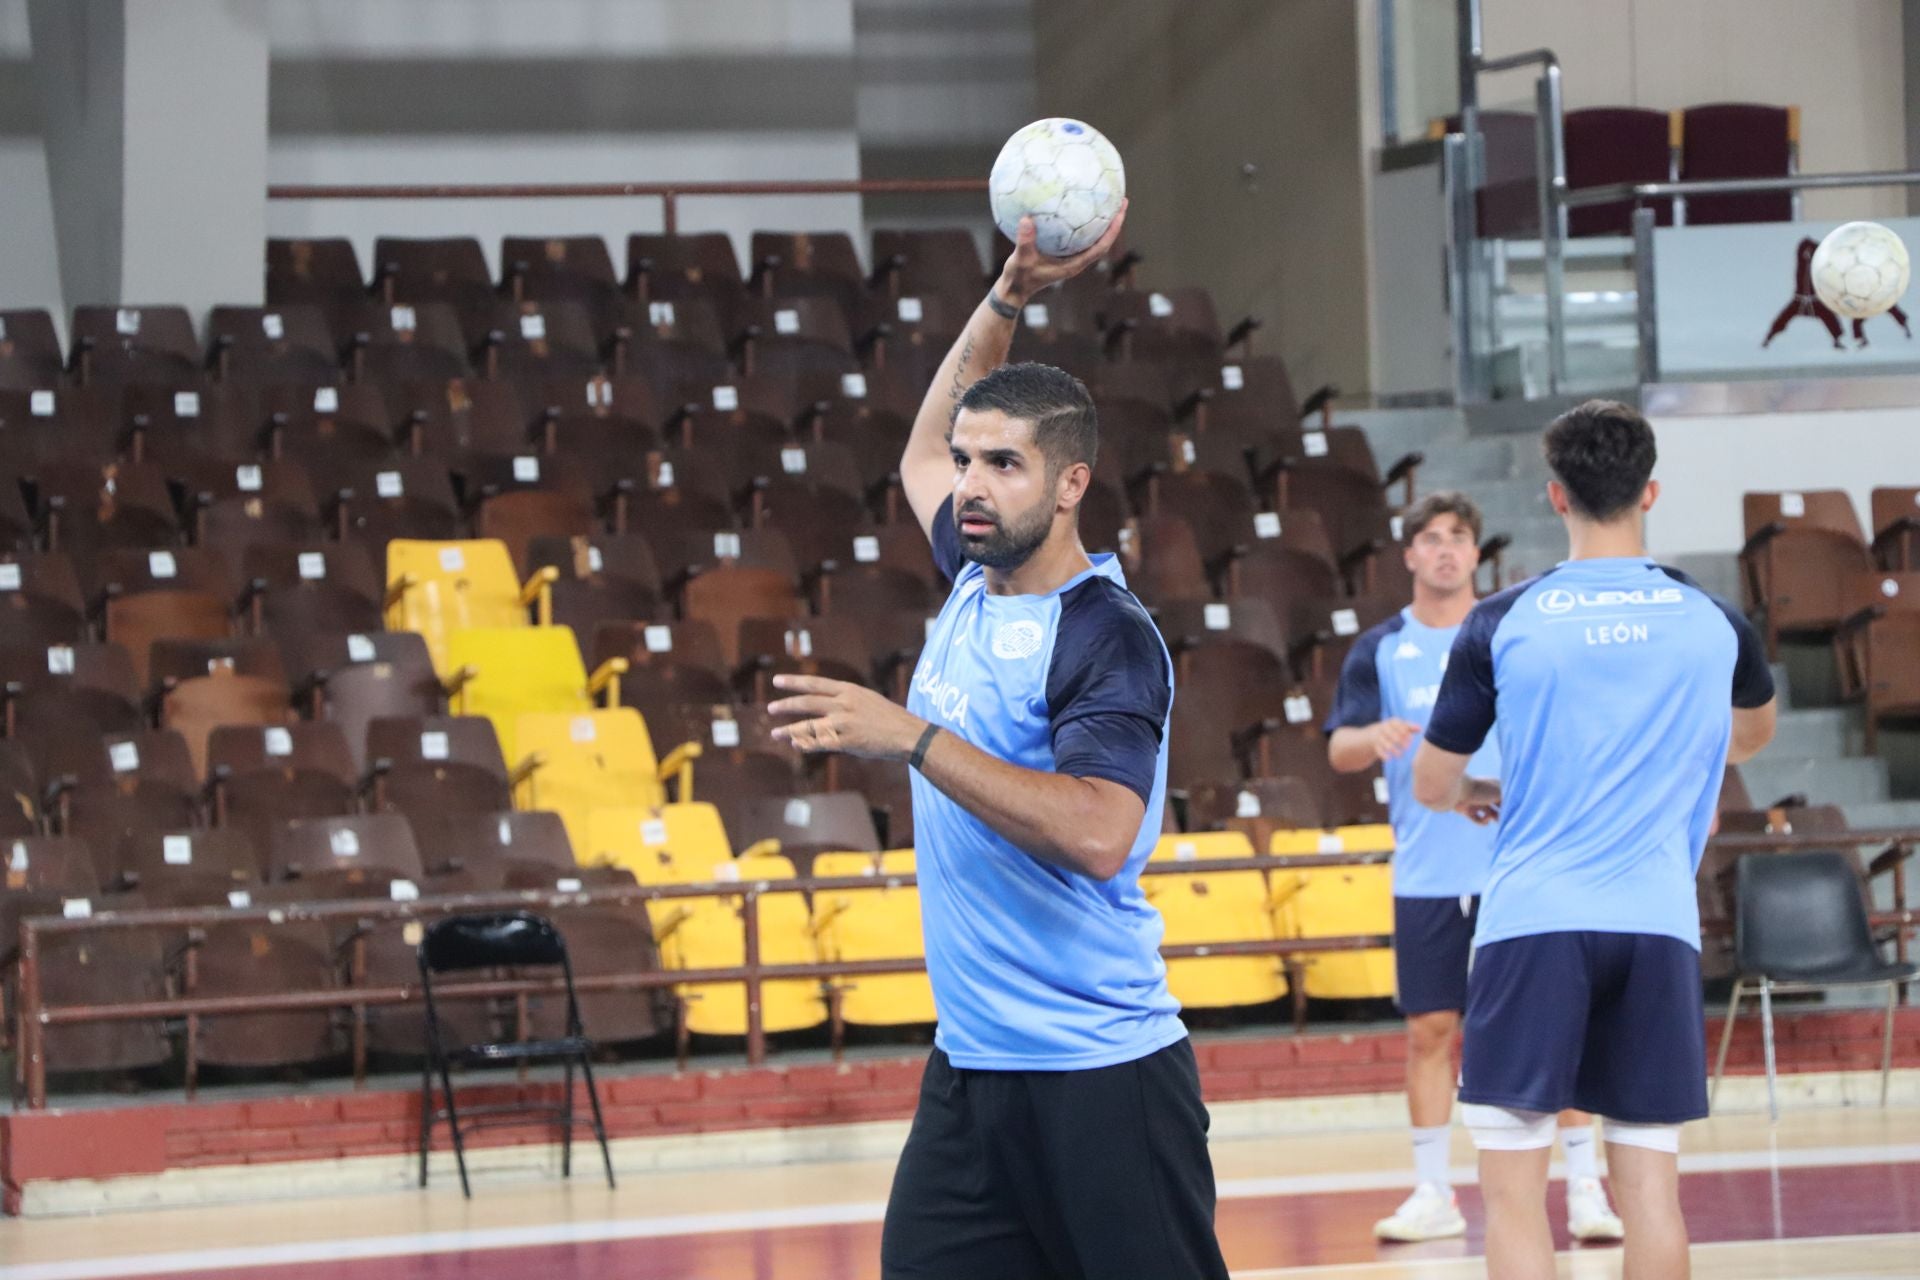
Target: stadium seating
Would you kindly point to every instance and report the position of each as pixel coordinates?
(1339, 901)
(1224, 906)
(1801, 551)
(881, 923)
(578, 762)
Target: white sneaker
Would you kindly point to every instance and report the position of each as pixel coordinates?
(1430, 1213)
(1589, 1216)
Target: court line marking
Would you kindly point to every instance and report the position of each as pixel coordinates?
(1476, 1266)
(845, 1214)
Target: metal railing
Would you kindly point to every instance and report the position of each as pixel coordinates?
(669, 194)
(35, 1015)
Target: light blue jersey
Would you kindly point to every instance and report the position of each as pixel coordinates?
(1393, 671)
(1035, 968)
(1610, 684)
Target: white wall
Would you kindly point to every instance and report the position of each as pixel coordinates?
(1706, 463)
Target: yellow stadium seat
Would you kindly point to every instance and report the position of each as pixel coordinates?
(674, 844)
(707, 933)
(1331, 902)
(503, 673)
(579, 762)
(1221, 906)
(881, 923)
(438, 588)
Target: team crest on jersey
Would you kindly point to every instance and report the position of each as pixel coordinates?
(1407, 649)
(1015, 640)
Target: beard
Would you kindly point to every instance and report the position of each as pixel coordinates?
(1010, 544)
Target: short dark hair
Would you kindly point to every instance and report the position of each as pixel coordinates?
(1441, 502)
(1056, 404)
(1603, 453)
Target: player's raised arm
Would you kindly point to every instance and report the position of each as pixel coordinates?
(926, 468)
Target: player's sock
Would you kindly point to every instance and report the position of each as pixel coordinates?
(1582, 1158)
(1431, 1150)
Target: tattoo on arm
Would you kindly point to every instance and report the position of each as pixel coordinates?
(960, 371)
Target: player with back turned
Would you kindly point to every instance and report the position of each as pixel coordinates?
(1619, 691)
(1060, 1131)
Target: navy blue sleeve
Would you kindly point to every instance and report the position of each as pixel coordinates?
(1356, 700)
(1752, 673)
(945, 536)
(1464, 712)
(1109, 690)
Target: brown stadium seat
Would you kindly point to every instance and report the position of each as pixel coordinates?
(318, 271)
(676, 341)
(798, 263)
(428, 764)
(16, 521)
(355, 678)
(335, 431)
(727, 596)
(607, 426)
(532, 341)
(1802, 549)
(401, 342)
(86, 969)
(186, 866)
(193, 434)
(1322, 629)
(675, 514)
(912, 332)
(371, 845)
(450, 270)
(833, 647)
(781, 336)
(29, 350)
(738, 778)
(520, 517)
(53, 423)
(862, 590)
(398, 498)
(40, 599)
(1189, 625)
(1607, 146)
(281, 344)
(1739, 140)
(1220, 512)
(808, 825)
(1162, 560)
(928, 260)
(183, 594)
(206, 684)
(258, 958)
(118, 346)
(887, 789)
(672, 666)
(77, 688)
(700, 547)
(675, 267)
(103, 787)
(815, 465)
(311, 586)
(602, 940)
(484, 847)
(575, 269)
(603, 577)
(1172, 327)
(1357, 799)
(1257, 807)
(19, 791)
(87, 508)
(46, 864)
(722, 417)
(460, 418)
(261, 776)
(1877, 647)
(254, 504)
(1896, 528)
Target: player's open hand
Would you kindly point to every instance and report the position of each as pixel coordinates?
(1028, 270)
(843, 717)
(1391, 738)
(1480, 800)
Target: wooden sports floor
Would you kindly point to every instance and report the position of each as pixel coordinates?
(1829, 1194)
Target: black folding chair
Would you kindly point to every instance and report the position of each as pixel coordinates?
(511, 939)
(1801, 925)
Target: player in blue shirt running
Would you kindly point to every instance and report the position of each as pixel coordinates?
(1060, 1131)
(1387, 689)
(1619, 690)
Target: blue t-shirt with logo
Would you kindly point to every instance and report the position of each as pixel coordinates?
(1035, 968)
(1394, 671)
(1611, 684)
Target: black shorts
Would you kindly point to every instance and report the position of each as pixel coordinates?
(1432, 943)
(1056, 1175)
(1610, 1023)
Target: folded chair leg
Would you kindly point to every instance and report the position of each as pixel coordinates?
(453, 1126)
(1726, 1039)
(426, 1115)
(1766, 1030)
(1886, 1042)
(599, 1125)
(566, 1121)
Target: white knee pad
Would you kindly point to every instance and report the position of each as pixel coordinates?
(1654, 1137)
(1509, 1129)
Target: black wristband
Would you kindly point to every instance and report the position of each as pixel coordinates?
(1005, 310)
(919, 756)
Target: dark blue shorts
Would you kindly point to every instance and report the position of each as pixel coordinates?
(1610, 1023)
(1432, 943)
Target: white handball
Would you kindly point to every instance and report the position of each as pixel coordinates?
(1860, 270)
(1066, 176)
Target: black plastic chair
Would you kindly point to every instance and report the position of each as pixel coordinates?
(512, 939)
(1801, 925)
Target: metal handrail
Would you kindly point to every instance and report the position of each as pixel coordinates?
(35, 1015)
(668, 193)
(1579, 196)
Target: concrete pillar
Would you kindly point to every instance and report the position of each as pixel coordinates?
(155, 117)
